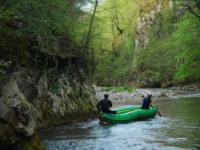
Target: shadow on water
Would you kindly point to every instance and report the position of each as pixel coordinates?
(179, 128)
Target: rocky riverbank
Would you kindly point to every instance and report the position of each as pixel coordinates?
(135, 96)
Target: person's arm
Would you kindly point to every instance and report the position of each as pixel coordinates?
(150, 102)
(110, 103)
(143, 101)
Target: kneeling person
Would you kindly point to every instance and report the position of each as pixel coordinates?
(104, 105)
(146, 103)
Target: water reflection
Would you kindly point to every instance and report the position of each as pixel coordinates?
(179, 128)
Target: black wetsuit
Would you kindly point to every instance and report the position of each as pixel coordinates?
(146, 103)
(104, 105)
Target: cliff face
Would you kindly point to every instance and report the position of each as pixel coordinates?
(43, 71)
(148, 26)
(150, 19)
(166, 47)
(41, 95)
(144, 24)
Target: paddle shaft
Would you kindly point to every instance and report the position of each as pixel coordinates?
(159, 113)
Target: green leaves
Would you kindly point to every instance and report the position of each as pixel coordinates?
(113, 40)
(176, 57)
(51, 26)
(188, 38)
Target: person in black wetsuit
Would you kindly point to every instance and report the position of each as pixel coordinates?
(104, 105)
(146, 103)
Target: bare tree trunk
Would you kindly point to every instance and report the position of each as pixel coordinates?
(88, 39)
(91, 23)
(173, 5)
(116, 20)
(113, 34)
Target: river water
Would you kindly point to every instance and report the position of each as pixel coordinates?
(178, 128)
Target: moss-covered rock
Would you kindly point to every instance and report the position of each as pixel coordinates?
(29, 143)
(39, 98)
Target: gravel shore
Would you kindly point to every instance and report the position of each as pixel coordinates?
(135, 97)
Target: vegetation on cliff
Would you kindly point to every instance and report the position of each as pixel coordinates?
(65, 28)
(172, 55)
(29, 27)
(164, 52)
(48, 47)
(43, 69)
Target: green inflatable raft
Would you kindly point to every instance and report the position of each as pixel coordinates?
(128, 114)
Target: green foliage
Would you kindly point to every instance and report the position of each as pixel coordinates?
(113, 41)
(45, 17)
(45, 23)
(171, 56)
(175, 56)
(188, 58)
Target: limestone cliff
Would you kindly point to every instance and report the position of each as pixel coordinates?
(151, 19)
(149, 25)
(148, 19)
(41, 95)
(157, 46)
(144, 24)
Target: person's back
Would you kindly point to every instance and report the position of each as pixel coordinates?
(104, 105)
(146, 103)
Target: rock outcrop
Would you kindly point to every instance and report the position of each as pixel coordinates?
(41, 96)
(149, 25)
(144, 24)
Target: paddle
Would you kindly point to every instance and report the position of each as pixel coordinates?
(158, 112)
(101, 121)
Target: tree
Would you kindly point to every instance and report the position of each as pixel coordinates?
(194, 8)
(91, 24)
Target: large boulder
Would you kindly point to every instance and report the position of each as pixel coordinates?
(39, 98)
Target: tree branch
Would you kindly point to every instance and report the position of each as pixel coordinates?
(192, 11)
(91, 23)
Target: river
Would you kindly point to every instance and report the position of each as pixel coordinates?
(177, 129)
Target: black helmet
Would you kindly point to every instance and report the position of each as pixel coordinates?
(149, 95)
(106, 95)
